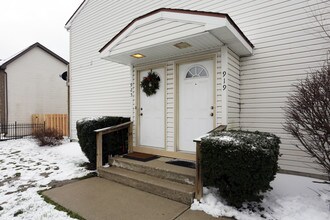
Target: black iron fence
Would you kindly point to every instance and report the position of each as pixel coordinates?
(18, 130)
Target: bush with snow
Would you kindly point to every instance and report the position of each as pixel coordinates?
(240, 164)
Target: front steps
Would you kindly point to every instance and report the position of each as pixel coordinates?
(156, 177)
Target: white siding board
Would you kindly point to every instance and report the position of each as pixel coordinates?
(277, 54)
(307, 170)
(305, 52)
(287, 48)
(286, 42)
(301, 66)
(264, 100)
(170, 106)
(218, 98)
(265, 78)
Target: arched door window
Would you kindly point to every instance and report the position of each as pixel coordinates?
(196, 71)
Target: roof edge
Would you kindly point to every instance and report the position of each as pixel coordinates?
(37, 44)
(204, 13)
(69, 22)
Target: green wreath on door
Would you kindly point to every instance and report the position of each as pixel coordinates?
(150, 83)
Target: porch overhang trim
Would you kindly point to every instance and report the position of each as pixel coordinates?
(155, 34)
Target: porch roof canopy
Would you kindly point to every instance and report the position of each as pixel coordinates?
(168, 33)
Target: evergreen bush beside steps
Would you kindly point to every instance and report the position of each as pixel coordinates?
(240, 164)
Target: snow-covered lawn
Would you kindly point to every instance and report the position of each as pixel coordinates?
(292, 198)
(26, 168)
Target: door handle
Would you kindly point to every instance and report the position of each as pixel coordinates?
(141, 114)
(211, 114)
(212, 107)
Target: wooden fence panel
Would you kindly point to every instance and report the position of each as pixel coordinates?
(53, 121)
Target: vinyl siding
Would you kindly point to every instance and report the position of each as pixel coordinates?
(233, 91)
(34, 86)
(287, 44)
(218, 89)
(134, 104)
(170, 105)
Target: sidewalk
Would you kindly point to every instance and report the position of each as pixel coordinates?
(100, 199)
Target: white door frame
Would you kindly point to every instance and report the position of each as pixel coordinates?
(138, 102)
(213, 58)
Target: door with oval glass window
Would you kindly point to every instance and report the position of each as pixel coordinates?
(152, 108)
(196, 100)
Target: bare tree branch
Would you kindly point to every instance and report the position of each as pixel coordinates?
(308, 116)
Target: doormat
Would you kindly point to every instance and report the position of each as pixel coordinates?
(140, 156)
(182, 163)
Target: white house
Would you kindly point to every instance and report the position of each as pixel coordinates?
(30, 84)
(220, 63)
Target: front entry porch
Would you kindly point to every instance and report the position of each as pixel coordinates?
(195, 58)
(190, 60)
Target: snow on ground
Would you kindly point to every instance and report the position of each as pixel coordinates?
(26, 168)
(292, 198)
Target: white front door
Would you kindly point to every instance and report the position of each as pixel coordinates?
(196, 97)
(152, 113)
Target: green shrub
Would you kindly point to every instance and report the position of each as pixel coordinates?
(48, 137)
(113, 143)
(240, 163)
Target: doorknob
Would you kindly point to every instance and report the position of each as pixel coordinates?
(141, 109)
(141, 114)
(211, 114)
(212, 107)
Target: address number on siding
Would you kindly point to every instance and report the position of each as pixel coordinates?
(224, 84)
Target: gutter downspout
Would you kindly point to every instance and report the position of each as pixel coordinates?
(69, 101)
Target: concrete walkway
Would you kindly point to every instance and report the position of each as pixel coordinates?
(100, 199)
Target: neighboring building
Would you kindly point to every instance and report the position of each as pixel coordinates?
(30, 84)
(243, 67)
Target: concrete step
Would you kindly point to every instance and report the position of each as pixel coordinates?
(157, 168)
(172, 190)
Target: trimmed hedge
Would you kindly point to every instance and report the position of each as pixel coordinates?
(113, 144)
(240, 163)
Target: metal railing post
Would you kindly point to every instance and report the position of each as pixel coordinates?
(15, 130)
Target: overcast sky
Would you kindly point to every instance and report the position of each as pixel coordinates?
(24, 22)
